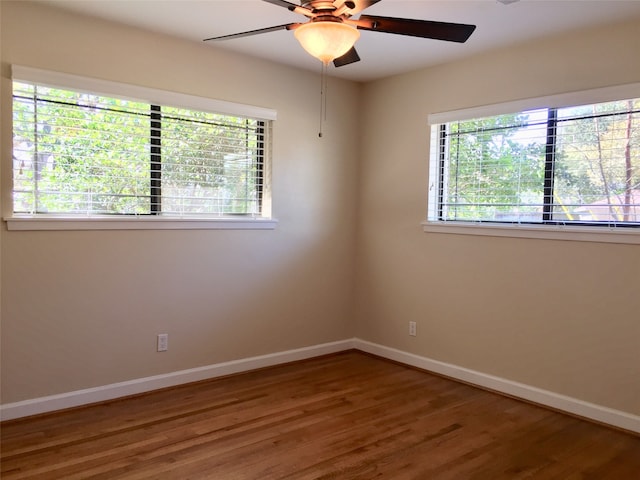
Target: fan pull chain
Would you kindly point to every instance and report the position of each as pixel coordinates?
(323, 97)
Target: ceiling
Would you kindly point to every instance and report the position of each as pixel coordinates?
(499, 23)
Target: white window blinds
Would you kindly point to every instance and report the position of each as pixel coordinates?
(570, 165)
(77, 152)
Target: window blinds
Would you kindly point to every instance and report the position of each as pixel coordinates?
(570, 165)
(80, 153)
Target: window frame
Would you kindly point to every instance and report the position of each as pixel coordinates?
(551, 230)
(18, 221)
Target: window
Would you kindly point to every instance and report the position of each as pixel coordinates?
(566, 165)
(83, 154)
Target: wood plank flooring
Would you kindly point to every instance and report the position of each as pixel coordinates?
(345, 416)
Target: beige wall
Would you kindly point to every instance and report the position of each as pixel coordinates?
(558, 315)
(82, 309)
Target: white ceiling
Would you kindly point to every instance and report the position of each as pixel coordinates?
(382, 54)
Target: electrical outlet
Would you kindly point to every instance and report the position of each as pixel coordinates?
(163, 342)
(412, 329)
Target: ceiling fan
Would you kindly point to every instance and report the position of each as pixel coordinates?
(330, 31)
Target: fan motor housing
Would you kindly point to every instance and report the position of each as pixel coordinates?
(319, 6)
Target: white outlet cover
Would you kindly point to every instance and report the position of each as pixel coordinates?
(163, 342)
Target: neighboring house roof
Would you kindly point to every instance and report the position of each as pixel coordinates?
(604, 211)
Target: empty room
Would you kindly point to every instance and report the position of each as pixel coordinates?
(268, 239)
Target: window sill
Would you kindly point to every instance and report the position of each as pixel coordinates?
(138, 223)
(572, 233)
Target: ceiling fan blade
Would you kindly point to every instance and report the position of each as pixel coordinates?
(292, 7)
(282, 3)
(288, 26)
(350, 57)
(451, 32)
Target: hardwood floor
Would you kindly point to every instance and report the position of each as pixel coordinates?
(346, 416)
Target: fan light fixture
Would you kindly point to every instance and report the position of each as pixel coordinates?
(326, 40)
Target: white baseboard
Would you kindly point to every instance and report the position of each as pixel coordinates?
(598, 413)
(141, 385)
(571, 405)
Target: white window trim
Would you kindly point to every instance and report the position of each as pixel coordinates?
(150, 95)
(137, 223)
(551, 232)
(544, 232)
(137, 93)
(570, 99)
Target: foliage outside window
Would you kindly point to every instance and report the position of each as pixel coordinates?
(554, 166)
(82, 154)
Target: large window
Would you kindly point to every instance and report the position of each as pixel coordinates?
(78, 153)
(577, 165)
